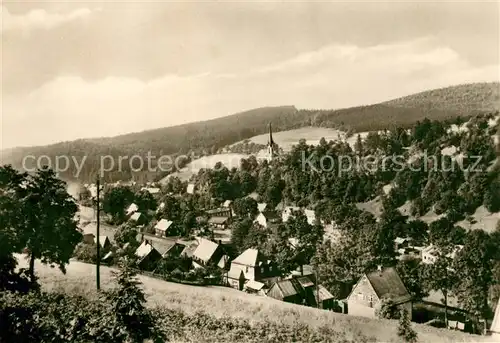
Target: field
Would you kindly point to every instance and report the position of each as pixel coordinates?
(228, 160)
(224, 302)
(286, 139)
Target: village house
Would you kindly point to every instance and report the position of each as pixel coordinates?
(311, 216)
(288, 291)
(147, 255)
(302, 290)
(372, 288)
(266, 218)
(401, 243)
(162, 228)
(206, 253)
(431, 253)
(235, 278)
(227, 204)
(220, 212)
(288, 212)
(191, 188)
(104, 242)
(132, 209)
(255, 287)
(255, 265)
(168, 249)
(261, 207)
(219, 222)
(326, 299)
(151, 190)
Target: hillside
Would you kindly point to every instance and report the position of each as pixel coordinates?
(206, 137)
(224, 302)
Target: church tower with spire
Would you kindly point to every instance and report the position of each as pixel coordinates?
(271, 146)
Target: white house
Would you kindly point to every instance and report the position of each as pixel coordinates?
(151, 190)
(261, 206)
(288, 212)
(190, 188)
(253, 265)
(430, 254)
(266, 218)
(161, 228)
(135, 217)
(311, 216)
(132, 208)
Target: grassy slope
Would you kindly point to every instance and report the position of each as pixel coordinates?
(220, 302)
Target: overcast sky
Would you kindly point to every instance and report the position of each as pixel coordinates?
(75, 70)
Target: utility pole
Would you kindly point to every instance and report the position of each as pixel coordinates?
(317, 288)
(98, 261)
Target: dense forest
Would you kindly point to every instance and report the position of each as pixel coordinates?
(207, 137)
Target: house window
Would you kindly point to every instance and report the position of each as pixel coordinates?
(246, 269)
(262, 270)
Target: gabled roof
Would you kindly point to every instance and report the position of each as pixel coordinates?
(323, 293)
(400, 240)
(249, 257)
(218, 220)
(189, 249)
(205, 250)
(132, 208)
(135, 216)
(152, 190)
(223, 262)
(305, 282)
(102, 240)
(227, 203)
(144, 249)
(234, 273)
(288, 287)
(387, 283)
(253, 195)
(261, 206)
(163, 224)
(254, 285)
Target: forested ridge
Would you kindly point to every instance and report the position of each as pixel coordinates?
(202, 138)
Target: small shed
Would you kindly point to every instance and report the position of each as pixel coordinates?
(286, 290)
(235, 278)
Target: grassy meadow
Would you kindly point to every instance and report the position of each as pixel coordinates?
(222, 302)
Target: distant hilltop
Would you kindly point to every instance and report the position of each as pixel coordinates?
(207, 137)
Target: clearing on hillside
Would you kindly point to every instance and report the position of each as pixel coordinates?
(312, 135)
(208, 162)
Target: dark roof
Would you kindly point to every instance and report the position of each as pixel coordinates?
(218, 210)
(218, 220)
(387, 283)
(323, 293)
(305, 282)
(288, 287)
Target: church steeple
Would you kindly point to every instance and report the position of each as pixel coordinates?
(271, 142)
(271, 146)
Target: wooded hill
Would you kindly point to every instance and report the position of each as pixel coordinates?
(205, 137)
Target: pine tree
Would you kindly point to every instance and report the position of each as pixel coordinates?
(133, 321)
(405, 331)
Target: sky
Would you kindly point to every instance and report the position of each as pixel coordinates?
(90, 69)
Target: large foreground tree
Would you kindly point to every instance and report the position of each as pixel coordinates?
(50, 227)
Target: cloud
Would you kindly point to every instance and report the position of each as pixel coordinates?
(333, 76)
(40, 19)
